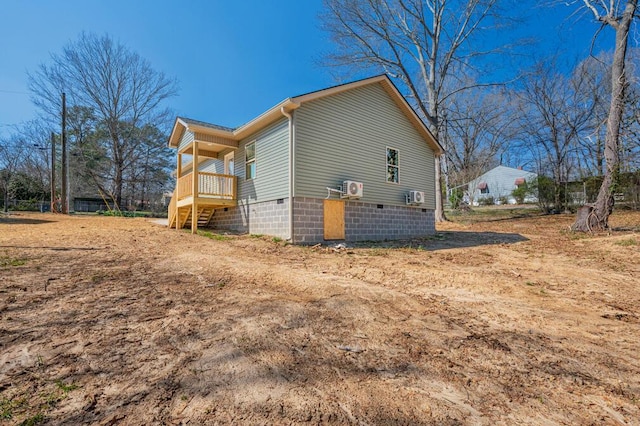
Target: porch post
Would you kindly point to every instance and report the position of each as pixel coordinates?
(176, 193)
(194, 191)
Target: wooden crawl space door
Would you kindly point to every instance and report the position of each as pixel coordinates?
(333, 220)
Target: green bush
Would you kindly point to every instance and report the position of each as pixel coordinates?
(27, 206)
(456, 198)
(487, 201)
(552, 196)
(521, 192)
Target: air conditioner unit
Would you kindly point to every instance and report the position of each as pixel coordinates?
(351, 189)
(416, 197)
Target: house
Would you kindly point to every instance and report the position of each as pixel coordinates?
(498, 184)
(351, 162)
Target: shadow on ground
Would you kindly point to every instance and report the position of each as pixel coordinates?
(22, 221)
(448, 240)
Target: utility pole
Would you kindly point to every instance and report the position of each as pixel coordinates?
(53, 173)
(63, 188)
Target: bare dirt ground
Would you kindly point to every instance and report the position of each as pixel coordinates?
(511, 322)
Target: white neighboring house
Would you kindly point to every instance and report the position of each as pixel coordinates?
(498, 183)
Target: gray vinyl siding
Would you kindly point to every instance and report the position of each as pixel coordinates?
(186, 139)
(213, 165)
(216, 165)
(345, 136)
(272, 164)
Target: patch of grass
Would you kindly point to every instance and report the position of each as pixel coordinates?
(379, 252)
(124, 213)
(7, 406)
(52, 399)
(61, 392)
(256, 235)
(491, 213)
(33, 420)
(576, 235)
(213, 236)
(6, 261)
(66, 388)
(40, 362)
(97, 278)
(276, 239)
(627, 243)
(33, 408)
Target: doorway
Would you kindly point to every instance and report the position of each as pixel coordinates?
(334, 220)
(229, 167)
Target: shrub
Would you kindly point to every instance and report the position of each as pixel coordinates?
(487, 201)
(456, 198)
(521, 192)
(27, 205)
(545, 189)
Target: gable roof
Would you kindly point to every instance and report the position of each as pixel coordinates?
(290, 104)
(502, 173)
(191, 121)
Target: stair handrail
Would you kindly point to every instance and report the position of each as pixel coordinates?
(172, 208)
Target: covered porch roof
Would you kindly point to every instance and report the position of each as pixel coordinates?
(211, 138)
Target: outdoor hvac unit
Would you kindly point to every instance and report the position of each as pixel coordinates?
(416, 197)
(351, 189)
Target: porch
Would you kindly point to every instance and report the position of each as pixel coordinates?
(197, 193)
(212, 191)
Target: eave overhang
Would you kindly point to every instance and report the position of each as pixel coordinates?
(229, 138)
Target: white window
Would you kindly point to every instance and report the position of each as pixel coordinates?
(250, 170)
(393, 175)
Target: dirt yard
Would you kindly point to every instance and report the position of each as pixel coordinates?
(513, 322)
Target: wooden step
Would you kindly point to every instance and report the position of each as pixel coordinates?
(204, 216)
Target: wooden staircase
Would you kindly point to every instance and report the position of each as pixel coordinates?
(206, 191)
(183, 216)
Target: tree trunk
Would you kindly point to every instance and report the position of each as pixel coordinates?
(118, 183)
(595, 217)
(6, 199)
(439, 212)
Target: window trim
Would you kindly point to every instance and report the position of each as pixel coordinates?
(253, 160)
(397, 166)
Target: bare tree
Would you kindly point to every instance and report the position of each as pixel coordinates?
(9, 161)
(122, 89)
(475, 140)
(35, 137)
(594, 72)
(555, 114)
(630, 134)
(618, 15)
(422, 44)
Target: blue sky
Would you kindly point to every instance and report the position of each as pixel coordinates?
(233, 59)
